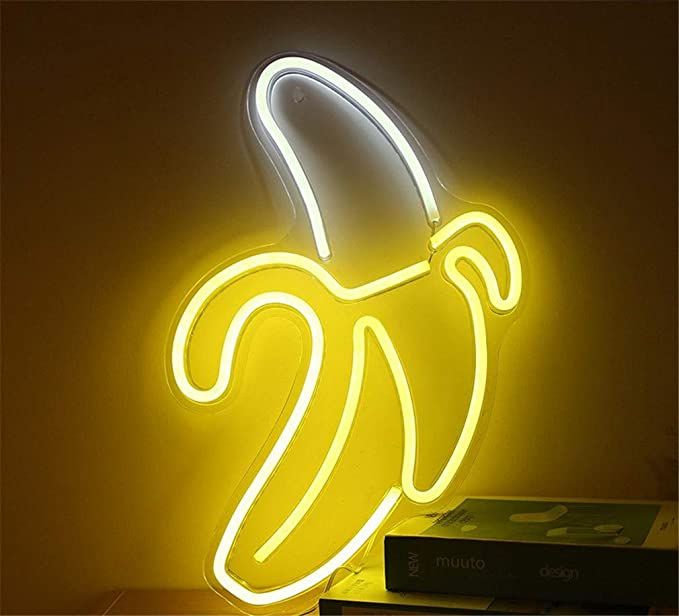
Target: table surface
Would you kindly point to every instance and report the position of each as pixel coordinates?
(189, 602)
(167, 603)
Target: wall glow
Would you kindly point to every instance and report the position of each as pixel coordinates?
(440, 244)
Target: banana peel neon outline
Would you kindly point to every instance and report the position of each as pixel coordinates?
(442, 235)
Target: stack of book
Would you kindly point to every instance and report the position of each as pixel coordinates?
(521, 556)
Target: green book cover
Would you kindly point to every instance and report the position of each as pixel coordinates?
(600, 551)
(528, 520)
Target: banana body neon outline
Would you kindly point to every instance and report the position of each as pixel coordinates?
(363, 325)
(271, 260)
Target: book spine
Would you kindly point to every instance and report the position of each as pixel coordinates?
(625, 575)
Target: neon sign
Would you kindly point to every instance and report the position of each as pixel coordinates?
(440, 243)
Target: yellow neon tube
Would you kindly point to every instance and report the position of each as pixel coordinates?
(257, 263)
(500, 234)
(250, 265)
(361, 328)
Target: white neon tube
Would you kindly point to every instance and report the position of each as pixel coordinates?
(325, 75)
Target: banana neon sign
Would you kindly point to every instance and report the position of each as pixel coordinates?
(442, 236)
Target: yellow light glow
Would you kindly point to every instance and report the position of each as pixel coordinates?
(439, 244)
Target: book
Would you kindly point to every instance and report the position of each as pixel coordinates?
(365, 593)
(614, 552)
